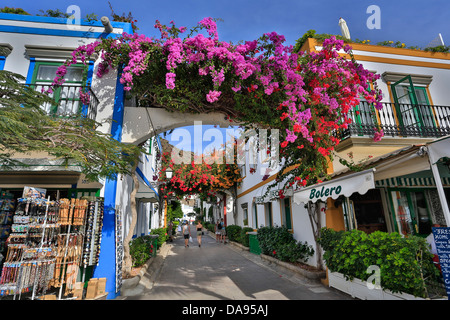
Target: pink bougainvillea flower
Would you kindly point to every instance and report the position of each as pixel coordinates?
(311, 93)
(378, 135)
(213, 96)
(236, 88)
(170, 80)
(291, 137)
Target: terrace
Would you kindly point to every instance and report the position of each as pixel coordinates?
(67, 100)
(398, 120)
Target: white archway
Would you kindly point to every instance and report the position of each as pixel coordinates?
(141, 123)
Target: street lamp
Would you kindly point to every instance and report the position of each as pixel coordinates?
(169, 173)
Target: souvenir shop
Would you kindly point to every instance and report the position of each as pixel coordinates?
(49, 242)
(406, 191)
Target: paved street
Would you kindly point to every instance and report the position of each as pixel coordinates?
(219, 271)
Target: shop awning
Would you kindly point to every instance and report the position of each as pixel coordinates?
(398, 163)
(272, 196)
(359, 182)
(145, 192)
(40, 171)
(439, 149)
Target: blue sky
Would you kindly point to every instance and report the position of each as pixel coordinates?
(412, 22)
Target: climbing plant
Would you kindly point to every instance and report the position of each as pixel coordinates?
(205, 176)
(261, 83)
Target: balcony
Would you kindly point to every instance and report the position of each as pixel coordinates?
(68, 102)
(398, 120)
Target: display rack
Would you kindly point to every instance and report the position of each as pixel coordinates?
(29, 257)
(70, 244)
(48, 243)
(94, 226)
(119, 248)
(7, 205)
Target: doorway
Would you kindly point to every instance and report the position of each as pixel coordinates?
(369, 212)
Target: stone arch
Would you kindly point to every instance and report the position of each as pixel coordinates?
(141, 123)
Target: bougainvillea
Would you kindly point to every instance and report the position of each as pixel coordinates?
(206, 177)
(260, 83)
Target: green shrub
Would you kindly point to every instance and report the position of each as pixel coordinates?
(175, 226)
(404, 263)
(140, 251)
(278, 242)
(210, 226)
(244, 238)
(233, 232)
(269, 237)
(162, 235)
(294, 251)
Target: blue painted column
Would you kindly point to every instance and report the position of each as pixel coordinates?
(31, 70)
(2, 62)
(107, 260)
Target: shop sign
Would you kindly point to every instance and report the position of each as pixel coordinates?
(33, 192)
(273, 194)
(259, 200)
(359, 182)
(324, 192)
(442, 240)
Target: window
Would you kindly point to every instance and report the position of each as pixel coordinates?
(367, 209)
(243, 171)
(66, 97)
(412, 105)
(287, 213)
(402, 212)
(255, 215)
(47, 72)
(269, 220)
(411, 211)
(245, 213)
(348, 209)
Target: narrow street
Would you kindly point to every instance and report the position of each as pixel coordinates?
(217, 271)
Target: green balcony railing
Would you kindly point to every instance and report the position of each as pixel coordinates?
(399, 120)
(69, 100)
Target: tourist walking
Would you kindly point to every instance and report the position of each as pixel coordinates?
(218, 230)
(221, 228)
(186, 234)
(169, 231)
(199, 233)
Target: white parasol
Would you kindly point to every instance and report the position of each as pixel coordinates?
(344, 29)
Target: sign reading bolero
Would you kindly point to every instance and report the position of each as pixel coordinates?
(357, 182)
(324, 192)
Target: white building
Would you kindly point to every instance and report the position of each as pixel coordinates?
(34, 47)
(416, 111)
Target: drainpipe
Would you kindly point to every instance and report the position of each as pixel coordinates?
(107, 24)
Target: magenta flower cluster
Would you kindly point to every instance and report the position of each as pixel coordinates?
(85, 97)
(326, 81)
